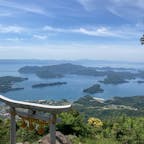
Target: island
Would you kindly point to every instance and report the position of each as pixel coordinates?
(58, 71)
(140, 81)
(48, 84)
(52, 71)
(113, 81)
(7, 82)
(118, 77)
(113, 76)
(140, 74)
(96, 88)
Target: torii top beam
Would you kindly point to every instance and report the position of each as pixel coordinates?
(34, 106)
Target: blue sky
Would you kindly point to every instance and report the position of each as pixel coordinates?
(72, 29)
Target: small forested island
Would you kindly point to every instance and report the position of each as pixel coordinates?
(6, 83)
(96, 88)
(140, 74)
(48, 84)
(114, 81)
(118, 78)
(140, 81)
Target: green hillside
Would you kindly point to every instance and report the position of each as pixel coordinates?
(91, 121)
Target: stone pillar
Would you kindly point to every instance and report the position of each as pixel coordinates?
(53, 129)
(13, 126)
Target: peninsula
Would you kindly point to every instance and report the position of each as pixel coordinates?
(7, 82)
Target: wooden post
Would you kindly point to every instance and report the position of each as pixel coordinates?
(53, 129)
(13, 126)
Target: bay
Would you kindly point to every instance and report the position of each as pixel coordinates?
(72, 90)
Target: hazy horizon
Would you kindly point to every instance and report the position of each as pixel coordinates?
(71, 60)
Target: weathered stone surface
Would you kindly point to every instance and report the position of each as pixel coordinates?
(60, 139)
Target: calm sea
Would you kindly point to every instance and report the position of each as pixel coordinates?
(75, 84)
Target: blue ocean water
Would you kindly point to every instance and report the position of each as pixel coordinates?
(72, 90)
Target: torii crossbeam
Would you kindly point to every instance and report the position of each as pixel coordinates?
(53, 110)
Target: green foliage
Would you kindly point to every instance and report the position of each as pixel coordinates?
(87, 101)
(4, 131)
(115, 130)
(88, 140)
(130, 106)
(125, 130)
(24, 135)
(73, 123)
(122, 130)
(135, 101)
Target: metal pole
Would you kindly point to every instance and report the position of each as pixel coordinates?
(13, 126)
(53, 129)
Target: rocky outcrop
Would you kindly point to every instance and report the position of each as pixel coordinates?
(60, 139)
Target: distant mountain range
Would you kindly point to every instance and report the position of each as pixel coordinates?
(80, 61)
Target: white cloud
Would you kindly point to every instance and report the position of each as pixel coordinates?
(87, 4)
(40, 37)
(27, 8)
(93, 4)
(90, 5)
(50, 28)
(128, 9)
(102, 31)
(129, 3)
(15, 39)
(11, 29)
(121, 32)
(5, 14)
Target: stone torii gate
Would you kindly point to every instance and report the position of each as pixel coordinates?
(33, 108)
